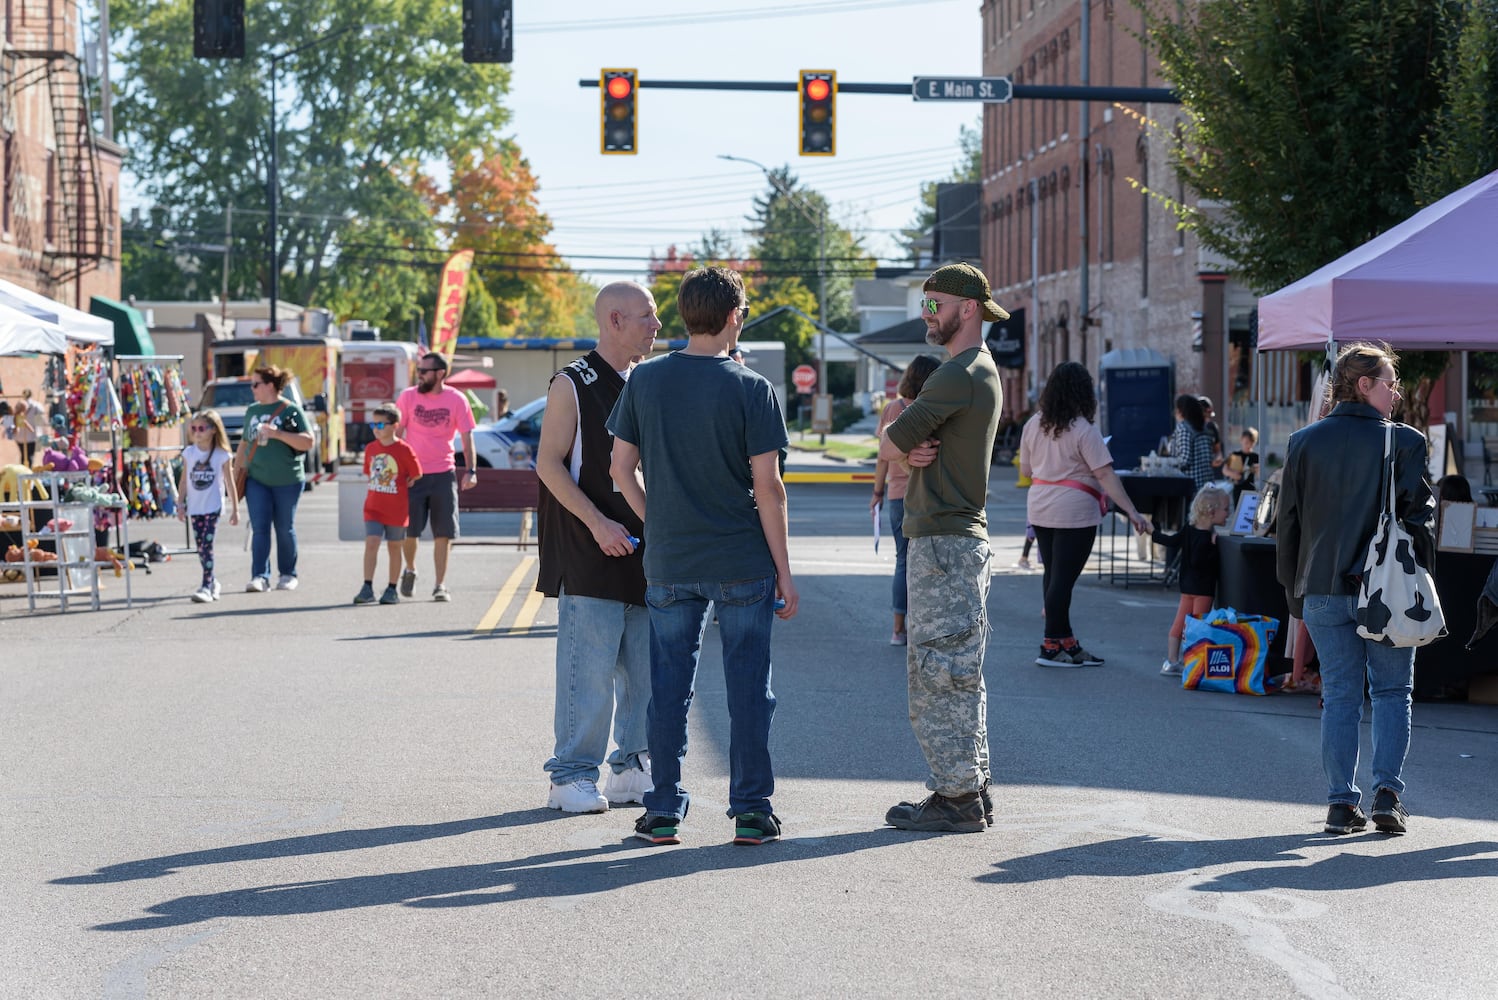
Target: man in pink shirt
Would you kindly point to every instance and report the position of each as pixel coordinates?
(431, 414)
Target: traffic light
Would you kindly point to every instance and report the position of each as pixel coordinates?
(218, 29)
(619, 127)
(488, 31)
(818, 112)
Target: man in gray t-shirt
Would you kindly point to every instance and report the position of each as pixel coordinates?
(706, 433)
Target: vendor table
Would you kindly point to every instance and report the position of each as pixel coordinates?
(1442, 669)
(1163, 499)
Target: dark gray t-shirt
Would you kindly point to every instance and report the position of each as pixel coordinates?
(697, 421)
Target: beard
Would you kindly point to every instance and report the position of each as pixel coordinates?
(427, 387)
(942, 332)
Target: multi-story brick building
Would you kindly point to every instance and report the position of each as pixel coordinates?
(1052, 192)
(59, 207)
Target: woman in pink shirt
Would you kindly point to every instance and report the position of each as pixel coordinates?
(1063, 452)
(891, 479)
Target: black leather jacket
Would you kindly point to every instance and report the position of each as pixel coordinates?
(1331, 496)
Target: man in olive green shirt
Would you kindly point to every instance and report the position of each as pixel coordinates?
(946, 437)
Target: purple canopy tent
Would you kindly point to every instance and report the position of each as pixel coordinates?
(1430, 283)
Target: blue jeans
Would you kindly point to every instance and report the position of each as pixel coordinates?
(678, 613)
(1347, 659)
(603, 658)
(272, 508)
(899, 594)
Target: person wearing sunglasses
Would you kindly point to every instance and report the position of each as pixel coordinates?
(591, 563)
(431, 414)
(705, 432)
(207, 471)
(276, 436)
(946, 438)
(391, 468)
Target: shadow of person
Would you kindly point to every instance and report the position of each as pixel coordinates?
(1365, 871)
(544, 876)
(1131, 857)
(317, 843)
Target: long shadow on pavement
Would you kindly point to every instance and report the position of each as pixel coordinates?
(318, 843)
(1131, 857)
(544, 876)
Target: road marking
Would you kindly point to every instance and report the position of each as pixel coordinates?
(527, 616)
(506, 595)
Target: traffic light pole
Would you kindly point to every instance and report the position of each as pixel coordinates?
(1128, 95)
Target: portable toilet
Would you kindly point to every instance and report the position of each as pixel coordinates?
(1137, 399)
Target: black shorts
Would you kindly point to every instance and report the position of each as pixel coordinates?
(434, 497)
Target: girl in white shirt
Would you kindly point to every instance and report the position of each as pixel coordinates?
(207, 472)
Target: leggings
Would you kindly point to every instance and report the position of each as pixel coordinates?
(1064, 552)
(1191, 604)
(204, 526)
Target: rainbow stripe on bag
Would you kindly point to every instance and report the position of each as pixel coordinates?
(1227, 652)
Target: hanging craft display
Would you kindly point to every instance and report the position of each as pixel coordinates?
(152, 396)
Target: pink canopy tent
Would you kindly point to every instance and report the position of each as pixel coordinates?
(470, 378)
(1430, 283)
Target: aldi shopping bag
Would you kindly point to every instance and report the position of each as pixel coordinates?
(1228, 651)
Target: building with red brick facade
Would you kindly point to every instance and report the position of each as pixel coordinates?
(1051, 195)
(59, 209)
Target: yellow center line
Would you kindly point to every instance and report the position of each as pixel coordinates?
(527, 616)
(506, 595)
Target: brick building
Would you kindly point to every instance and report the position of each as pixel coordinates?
(59, 208)
(1149, 286)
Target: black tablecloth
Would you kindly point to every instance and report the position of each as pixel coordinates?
(1248, 583)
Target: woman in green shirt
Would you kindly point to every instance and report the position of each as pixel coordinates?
(276, 434)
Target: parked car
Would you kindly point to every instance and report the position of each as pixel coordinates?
(510, 442)
(230, 397)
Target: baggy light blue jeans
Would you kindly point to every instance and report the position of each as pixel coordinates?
(678, 615)
(603, 674)
(1347, 661)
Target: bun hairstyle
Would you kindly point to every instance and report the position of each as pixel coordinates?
(277, 377)
(1355, 362)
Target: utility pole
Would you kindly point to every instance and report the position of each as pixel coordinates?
(820, 221)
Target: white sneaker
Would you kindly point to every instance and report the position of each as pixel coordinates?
(628, 786)
(286, 583)
(257, 585)
(217, 590)
(202, 595)
(580, 796)
(1171, 668)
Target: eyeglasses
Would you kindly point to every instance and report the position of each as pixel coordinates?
(933, 306)
(743, 314)
(256, 385)
(428, 371)
(378, 425)
(1392, 383)
(199, 428)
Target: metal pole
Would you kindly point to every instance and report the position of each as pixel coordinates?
(106, 95)
(271, 195)
(1085, 313)
(223, 306)
(822, 309)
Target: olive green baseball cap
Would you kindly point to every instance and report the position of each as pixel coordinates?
(968, 282)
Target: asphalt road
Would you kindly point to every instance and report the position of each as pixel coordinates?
(281, 795)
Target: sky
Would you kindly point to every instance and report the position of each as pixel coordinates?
(610, 212)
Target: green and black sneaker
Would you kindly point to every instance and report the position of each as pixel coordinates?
(657, 829)
(755, 828)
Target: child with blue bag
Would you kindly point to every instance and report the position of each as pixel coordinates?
(1199, 565)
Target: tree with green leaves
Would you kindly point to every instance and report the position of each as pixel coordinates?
(361, 115)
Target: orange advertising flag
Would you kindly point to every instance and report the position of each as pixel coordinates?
(450, 295)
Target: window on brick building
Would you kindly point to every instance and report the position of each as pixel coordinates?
(1142, 153)
(49, 200)
(111, 219)
(8, 167)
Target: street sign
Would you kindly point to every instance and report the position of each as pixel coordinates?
(989, 89)
(805, 378)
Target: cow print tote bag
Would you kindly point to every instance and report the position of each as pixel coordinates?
(1397, 602)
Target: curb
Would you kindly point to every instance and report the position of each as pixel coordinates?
(828, 477)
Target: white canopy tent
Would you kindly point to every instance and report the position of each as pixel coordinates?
(22, 333)
(79, 327)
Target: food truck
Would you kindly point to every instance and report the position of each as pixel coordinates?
(374, 372)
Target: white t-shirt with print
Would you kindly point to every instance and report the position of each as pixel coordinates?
(205, 479)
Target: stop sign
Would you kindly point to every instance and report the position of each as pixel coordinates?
(805, 378)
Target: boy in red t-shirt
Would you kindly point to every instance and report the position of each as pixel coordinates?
(392, 467)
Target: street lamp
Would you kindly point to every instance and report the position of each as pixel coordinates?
(820, 221)
(272, 187)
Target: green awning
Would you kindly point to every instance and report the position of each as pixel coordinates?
(130, 334)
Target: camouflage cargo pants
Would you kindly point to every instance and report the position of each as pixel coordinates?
(947, 624)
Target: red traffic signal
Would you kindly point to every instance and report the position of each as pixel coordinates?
(618, 126)
(818, 118)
